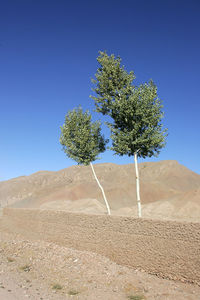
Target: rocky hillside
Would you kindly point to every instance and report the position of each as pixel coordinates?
(161, 182)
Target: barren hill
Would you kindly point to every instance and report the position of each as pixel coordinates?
(165, 186)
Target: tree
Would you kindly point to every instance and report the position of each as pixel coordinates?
(82, 140)
(113, 83)
(136, 112)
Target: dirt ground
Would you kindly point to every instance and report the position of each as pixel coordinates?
(42, 271)
(45, 271)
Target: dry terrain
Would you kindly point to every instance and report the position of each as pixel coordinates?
(168, 190)
(42, 270)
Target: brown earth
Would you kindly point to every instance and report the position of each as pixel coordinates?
(30, 268)
(168, 190)
(165, 248)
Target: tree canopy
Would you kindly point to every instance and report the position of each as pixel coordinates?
(136, 112)
(113, 83)
(81, 138)
(137, 123)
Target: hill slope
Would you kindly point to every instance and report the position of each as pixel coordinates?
(166, 187)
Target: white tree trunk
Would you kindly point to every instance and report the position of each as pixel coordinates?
(137, 186)
(104, 196)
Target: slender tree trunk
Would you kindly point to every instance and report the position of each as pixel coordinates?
(137, 186)
(104, 196)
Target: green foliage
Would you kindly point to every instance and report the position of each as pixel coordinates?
(81, 139)
(137, 123)
(136, 111)
(136, 297)
(112, 82)
(73, 293)
(57, 286)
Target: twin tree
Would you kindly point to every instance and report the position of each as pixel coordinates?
(135, 113)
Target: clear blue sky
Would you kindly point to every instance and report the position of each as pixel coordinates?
(48, 53)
